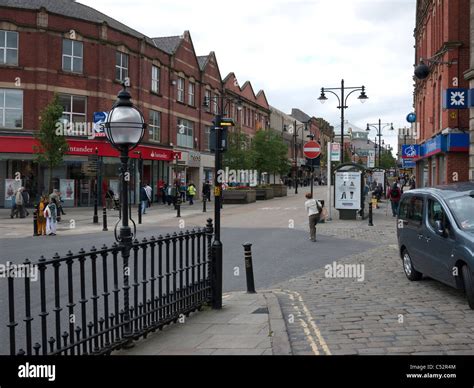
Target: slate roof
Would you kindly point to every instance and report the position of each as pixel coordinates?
(72, 8)
(168, 44)
(202, 59)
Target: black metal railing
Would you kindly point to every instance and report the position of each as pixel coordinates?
(168, 277)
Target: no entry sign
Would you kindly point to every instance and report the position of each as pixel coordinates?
(312, 149)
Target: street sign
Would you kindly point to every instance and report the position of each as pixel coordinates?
(312, 149)
(371, 159)
(335, 152)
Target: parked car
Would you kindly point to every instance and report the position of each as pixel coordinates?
(435, 229)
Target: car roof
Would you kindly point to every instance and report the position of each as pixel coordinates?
(447, 191)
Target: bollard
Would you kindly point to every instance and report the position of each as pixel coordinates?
(104, 216)
(204, 204)
(249, 268)
(178, 208)
(139, 212)
(370, 214)
(35, 223)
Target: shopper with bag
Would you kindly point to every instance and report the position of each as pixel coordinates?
(314, 209)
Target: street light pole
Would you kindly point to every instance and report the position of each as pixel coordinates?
(95, 219)
(343, 103)
(379, 127)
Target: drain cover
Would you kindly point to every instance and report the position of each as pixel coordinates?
(261, 310)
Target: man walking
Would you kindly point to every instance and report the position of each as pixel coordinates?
(18, 205)
(144, 198)
(206, 191)
(191, 193)
(313, 207)
(394, 194)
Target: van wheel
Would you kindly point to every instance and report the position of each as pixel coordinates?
(468, 282)
(411, 273)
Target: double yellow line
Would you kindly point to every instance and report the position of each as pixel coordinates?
(305, 320)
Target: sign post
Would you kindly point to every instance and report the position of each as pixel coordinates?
(312, 150)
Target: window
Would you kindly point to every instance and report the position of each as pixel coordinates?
(11, 108)
(8, 48)
(72, 56)
(435, 213)
(155, 79)
(415, 210)
(207, 100)
(154, 127)
(207, 138)
(121, 66)
(185, 136)
(74, 109)
(180, 89)
(191, 88)
(215, 104)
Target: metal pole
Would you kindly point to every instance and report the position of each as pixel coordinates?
(35, 222)
(312, 177)
(328, 180)
(380, 137)
(370, 214)
(216, 280)
(126, 244)
(342, 121)
(140, 172)
(95, 219)
(249, 268)
(295, 160)
(104, 219)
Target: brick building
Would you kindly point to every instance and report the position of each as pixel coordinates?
(62, 47)
(442, 34)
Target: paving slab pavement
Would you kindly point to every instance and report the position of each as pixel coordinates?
(247, 324)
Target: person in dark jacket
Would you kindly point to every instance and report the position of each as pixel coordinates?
(394, 194)
(144, 198)
(206, 191)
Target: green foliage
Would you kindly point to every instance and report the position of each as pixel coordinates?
(387, 160)
(270, 153)
(238, 156)
(52, 146)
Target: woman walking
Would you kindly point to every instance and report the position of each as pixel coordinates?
(51, 215)
(41, 220)
(313, 207)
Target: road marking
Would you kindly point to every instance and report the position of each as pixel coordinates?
(307, 323)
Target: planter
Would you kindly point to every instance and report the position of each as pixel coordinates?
(280, 190)
(264, 193)
(239, 196)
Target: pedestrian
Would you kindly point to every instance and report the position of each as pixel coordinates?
(109, 198)
(26, 200)
(149, 193)
(314, 208)
(191, 193)
(18, 209)
(144, 198)
(394, 195)
(206, 191)
(412, 183)
(41, 219)
(51, 215)
(170, 194)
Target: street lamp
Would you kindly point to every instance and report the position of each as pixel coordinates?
(379, 127)
(124, 129)
(343, 103)
(295, 159)
(95, 219)
(220, 145)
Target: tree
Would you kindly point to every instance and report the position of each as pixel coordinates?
(239, 155)
(52, 143)
(387, 160)
(270, 153)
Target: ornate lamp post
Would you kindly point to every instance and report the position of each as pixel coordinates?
(379, 127)
(124, 129)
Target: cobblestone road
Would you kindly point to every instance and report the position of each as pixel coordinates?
(383, 314)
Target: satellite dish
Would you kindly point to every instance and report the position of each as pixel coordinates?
(422, 71)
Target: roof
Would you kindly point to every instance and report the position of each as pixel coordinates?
(169, 44)
(202, 60)
(73, 9)
(299, 115)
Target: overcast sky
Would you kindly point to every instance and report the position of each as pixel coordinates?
(292, 48)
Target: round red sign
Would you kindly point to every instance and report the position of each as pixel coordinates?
(312, 149)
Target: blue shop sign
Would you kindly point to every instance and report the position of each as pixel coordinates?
(457, 142)
(455, 98)
(407, 163)
(410, 151)
(433, 146)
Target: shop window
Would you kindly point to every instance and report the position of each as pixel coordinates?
(215, 104)
(185, 136)
(11, 108)
(155, 126)
(8, 48)
(74, 108)
(72, 56)
(121, 66)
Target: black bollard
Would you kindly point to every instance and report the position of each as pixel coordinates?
(104, 216)
(35, 223)
(370, 214)
(249, 268)
(204, 204)
(178, 208)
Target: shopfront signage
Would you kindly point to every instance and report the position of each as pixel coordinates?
(455, 98)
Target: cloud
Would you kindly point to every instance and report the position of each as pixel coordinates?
(293, 48)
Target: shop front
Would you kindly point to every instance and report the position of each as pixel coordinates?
(89, 165)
